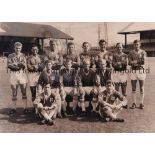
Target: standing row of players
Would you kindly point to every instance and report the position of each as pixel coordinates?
(90, 80)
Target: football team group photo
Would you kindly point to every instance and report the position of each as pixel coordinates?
(53, 82)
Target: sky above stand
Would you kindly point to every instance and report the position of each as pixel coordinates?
(89, 31)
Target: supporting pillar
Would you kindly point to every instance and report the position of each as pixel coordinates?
(42, 44)
(125, 40)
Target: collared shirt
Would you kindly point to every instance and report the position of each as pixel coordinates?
(108, 56)
(122, 59)
(73, 57)
(137, 56)
(45, 100)
(111, 97)
(53, 56)
(104, 75)
(15, 60)
(49, 78)
(34, 62)
(90, 55)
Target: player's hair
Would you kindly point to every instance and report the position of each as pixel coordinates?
(47, 84)
(119, 44)
(101, 60)
(68, 61)
(136, 41)
(85, 43)
(52, 41)
(102, 41)
(97, 78)
(70, 43)
(86, 61)
(48, 61)
(108, 81)
(18, 44)
(34, 45)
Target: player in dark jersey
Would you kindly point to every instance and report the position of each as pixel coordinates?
(87, 54)
(102, 75)
(86, 77)
(71, 55)
(69, 88)
(54, 55)
(108, 107)
(35, 66)
(47, 105)
(104, 72)
(49, 76)
(120, 62)
(97, 89)
(137, 61)
(86, 74)
(104, 54)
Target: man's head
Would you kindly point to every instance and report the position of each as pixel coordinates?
(102, 64)
(53, 45)
(86, 64)
(86, 46)
(48, 65)
(119, 47)
(47, 88)
(136, 45)
(109, 86)
(97, 80)
(102, 44)
(34, 49)
(70, 47)
(18, 47)
(68, 64)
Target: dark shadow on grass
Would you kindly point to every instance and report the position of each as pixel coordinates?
(19, 117)
(86, 119)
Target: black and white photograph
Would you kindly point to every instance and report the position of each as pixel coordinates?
(77, 77)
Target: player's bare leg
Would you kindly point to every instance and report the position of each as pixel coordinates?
(75, 104)
(141, 85)
(14, 89)
(53, 113)
(112, 116)
(94, 104)
(62, 107)
(46, 117)
(133, 83)
(82, 101)
(24, 97)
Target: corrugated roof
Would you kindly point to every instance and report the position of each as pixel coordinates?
(138, 27)
(31, 30)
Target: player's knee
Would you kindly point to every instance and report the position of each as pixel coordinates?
(81, 100)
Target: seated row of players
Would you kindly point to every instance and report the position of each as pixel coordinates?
(78, 78)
